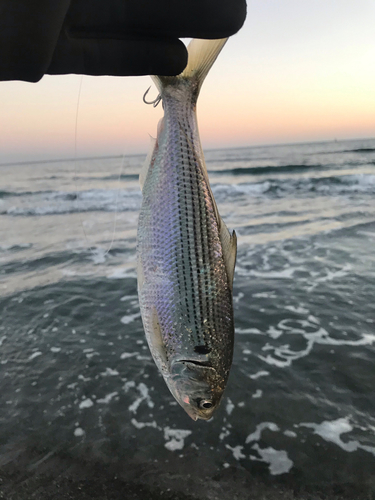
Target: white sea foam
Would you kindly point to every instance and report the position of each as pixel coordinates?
(245, 331)
(123, 272)
(78, 432)
(144, 358)
(278, 460)
(237, 451)
(338, 273)
(125, 320)
(99, 255)
(238, 297)
(261, 373)
(129, 385)
(107, 399)
(175, 438)
(68, 272)
(265, 295)
(351, 183)
(59, 202)
(229, 406)
(129, 297)
(256, 188)
(283, 274)
(298, 309)
(290, 434)
(257, 394)
(55, 349)
(331, 430)
(109, 373)
(274, 332)
(256, 435)
(224, 434)
(86, 403)
(284, 355)
(144, 396)
(142, 425)
(35, 355)
(313, 319)
(90, 355)
(126, 355)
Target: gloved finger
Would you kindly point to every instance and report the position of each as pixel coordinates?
(158, 18)
(102, 56)
(28, 34)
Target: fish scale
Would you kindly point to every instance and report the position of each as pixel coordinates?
(185, 289)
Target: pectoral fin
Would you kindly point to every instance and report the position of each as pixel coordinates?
(157, 340)
(229, 246)
(140, 275)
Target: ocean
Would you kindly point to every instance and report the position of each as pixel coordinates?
(84, 412)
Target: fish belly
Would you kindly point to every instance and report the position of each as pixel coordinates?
(185, 297)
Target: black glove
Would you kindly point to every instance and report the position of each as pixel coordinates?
(107, 37)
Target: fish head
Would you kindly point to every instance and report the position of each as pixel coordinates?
(196, 387)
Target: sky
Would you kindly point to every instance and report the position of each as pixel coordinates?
(298, 71)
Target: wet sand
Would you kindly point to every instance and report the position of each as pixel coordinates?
(36, 476)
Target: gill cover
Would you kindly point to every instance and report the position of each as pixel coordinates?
(194, 386)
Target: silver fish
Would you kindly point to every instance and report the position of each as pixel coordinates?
(186, 255)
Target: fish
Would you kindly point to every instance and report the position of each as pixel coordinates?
(185, 254)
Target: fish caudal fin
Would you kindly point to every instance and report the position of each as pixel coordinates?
(201, 56)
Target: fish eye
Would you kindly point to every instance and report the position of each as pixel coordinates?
(205, 404)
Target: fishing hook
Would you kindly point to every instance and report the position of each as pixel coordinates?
(155, 102)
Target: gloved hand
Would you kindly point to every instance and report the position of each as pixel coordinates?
(107, 37)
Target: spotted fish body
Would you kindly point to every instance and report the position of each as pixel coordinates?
(186, 255)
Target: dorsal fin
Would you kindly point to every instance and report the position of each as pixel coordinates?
(147, 162)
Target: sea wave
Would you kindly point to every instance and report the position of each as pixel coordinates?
(123, 200)
(359, 150)
(347, 183)
(363, 183)
(115, 177)
(9, 194)
(48, 203)
(298, 168)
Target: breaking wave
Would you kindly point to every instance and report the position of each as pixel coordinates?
(123, 200)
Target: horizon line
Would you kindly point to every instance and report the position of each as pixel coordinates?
(107, 157)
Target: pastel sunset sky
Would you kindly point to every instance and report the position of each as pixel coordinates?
(298, 71)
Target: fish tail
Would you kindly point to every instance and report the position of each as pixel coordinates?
(201, 56)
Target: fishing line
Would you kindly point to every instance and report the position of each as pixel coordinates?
(91, 248)
(116, 206)
(75, 163)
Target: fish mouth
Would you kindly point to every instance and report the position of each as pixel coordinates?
(194, 362)
(191, 414)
